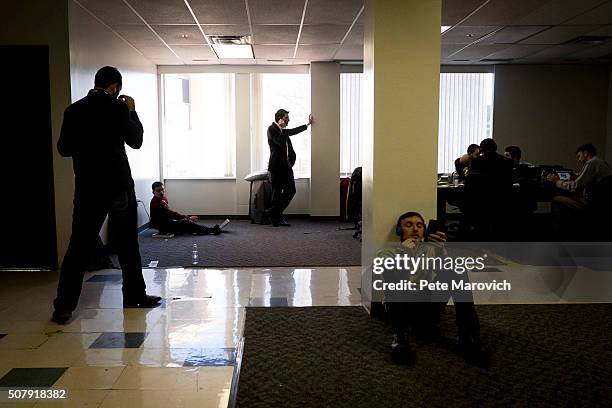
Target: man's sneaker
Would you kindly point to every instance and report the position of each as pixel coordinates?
(216, 230)
(60, 317)
(146, 302)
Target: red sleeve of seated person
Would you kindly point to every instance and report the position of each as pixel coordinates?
(161, 204)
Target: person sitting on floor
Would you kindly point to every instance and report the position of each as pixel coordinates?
(419, 312)
(167, 221)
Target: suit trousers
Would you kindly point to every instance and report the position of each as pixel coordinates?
(283, 190)
(90, 211)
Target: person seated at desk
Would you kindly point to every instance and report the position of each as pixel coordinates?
(167, 221)
(592, 172)
(419, 312)
(521, 171)
(462, 164)
(515, 154)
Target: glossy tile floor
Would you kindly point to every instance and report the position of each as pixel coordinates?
(180, 354)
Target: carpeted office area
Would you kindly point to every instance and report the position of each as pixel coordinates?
(338, 357)
(242, 244)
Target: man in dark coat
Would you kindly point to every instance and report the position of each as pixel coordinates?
(280, 166)
(94, 133)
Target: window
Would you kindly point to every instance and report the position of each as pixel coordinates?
(271, 92)
(350, 123)
(466, 115)
(199, 126)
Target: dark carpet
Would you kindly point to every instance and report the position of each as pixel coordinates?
(544, 355)
(242, 244)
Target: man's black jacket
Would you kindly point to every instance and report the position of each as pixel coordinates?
(282, 155)
(94, 133)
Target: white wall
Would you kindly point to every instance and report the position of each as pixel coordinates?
(92, 46)
(549, 110)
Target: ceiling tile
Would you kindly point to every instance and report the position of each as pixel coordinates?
(275, 34)
(276, 11)
(172, 34)
(137, 35)
(350, 52)
(595, 51)
(557, 11)
(355, 37)
(316, 52)
(226, 29)
(466, 34)
(448, 49)
(556, 52)
(454, 11)
(163, 11)
(264, 61)
(599, 15)
(273, 51)
(190, 52)
(158, 52)
(512, 34)
(503, 12)
(220, 12)
(111, 11)
(477, 51)
(559, 34)
(604, 30)
(517, 51)
(322, 11)
(323, 33)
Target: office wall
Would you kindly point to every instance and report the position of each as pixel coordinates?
(94, 45)
(549, 110)
(40, 22)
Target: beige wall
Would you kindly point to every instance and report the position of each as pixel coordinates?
(93, 45)
(40, 22)
(549, 110)
(325, 139)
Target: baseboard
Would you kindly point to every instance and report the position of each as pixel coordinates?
(144, 227)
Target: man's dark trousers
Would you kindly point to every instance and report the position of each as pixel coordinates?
(283, 190)
(90, 211)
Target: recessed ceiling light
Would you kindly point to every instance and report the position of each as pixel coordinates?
(444, 28)
(184, 35)
(234, 50)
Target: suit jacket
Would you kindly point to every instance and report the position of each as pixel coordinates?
(94, 133)
(282, 155)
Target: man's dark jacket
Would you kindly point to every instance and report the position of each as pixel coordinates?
(282, 155)
(94, 133)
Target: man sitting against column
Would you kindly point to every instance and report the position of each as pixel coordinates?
(419, 312)
(167, 221)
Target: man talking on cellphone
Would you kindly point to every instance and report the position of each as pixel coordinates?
(94, 133)
(280, 166)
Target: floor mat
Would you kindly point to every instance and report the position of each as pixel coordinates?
(544, 355)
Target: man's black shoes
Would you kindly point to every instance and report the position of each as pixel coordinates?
(145, 302)
(282, 223)
(401, 352)
(61, 317)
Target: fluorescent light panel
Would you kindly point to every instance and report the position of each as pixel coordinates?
(444, 28)
(234, 50)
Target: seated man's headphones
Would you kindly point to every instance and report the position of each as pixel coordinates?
(399, 231)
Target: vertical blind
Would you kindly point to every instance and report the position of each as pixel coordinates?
(350, 123)
(466, 114)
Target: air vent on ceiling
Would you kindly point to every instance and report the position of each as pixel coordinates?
(589, 39)
(230, 39)
(200, 59)
(461, 60)
(497, 60)
(275, 60)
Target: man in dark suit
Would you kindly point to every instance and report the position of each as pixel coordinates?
(94, 133)
(488, 190)
(280, 166)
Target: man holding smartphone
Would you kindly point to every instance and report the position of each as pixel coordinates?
(94, 133)
(280, 165)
